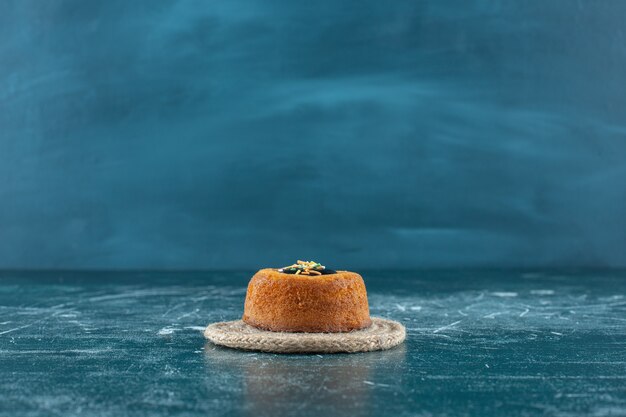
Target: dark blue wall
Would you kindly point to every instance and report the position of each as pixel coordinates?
(219, 134)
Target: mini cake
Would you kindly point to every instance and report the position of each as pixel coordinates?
(306, 297)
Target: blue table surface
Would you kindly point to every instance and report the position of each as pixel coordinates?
(479, 343)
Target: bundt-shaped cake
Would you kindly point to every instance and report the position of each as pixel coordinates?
(306, 297)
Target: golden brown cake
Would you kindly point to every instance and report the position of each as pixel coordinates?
(306, 297)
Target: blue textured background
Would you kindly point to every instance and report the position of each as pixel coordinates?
(182, 134)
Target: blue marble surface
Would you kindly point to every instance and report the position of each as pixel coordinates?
(497, 342)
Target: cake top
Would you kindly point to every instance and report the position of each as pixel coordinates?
(306, 268)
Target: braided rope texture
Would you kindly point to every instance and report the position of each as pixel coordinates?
(383, 334)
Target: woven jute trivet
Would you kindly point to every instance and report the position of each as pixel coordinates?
(381, 335)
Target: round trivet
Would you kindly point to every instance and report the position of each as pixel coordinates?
(381, 335)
